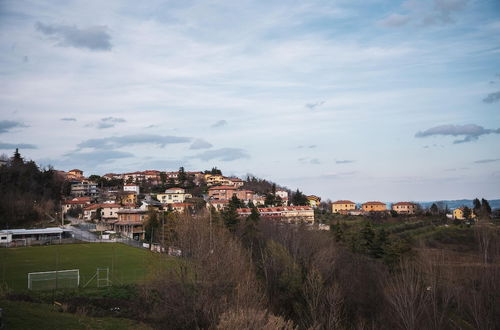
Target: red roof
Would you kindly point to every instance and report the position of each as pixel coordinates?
(343, 202)
(404, 203)
(104, 205)
(374, 203)
(222, 188)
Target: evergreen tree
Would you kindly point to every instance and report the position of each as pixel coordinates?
(477, 205)
(367, 236)
(467, 213)
(434, 209)
(485, 208)
(338, 232)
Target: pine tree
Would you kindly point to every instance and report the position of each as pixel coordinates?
(477, 205)
(485, 208)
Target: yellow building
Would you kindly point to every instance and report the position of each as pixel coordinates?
(374, 206)
(215, 179)
(128, 198)
(458, 214)
(343, 206)
(314, 201)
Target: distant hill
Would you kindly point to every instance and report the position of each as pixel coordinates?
(453, 204)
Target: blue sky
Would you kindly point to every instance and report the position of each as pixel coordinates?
(361, 100)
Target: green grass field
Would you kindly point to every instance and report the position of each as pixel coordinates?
(126, 264)
(24, 315)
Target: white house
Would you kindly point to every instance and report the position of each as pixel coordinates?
(131, 187)
(173, 195)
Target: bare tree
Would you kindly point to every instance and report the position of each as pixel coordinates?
(406, 293)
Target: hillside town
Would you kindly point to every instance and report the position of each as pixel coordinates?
(122, 203)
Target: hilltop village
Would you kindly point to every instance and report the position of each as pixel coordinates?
(122, 203)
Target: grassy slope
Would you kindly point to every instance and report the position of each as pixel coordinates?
(126, 264)
(24, 315)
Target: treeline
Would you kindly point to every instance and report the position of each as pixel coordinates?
(27, 193)
(263, 275)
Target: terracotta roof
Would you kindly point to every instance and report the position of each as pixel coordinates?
(374, 203)
(222, 188)
(404, 203)
(343, 202)
(103, 205)
(181, 204)
(76, 170)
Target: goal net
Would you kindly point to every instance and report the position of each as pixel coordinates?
(57, 279)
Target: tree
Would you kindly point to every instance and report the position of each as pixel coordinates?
(485, 208)
(477, 205)
(298, 198)
(467, 213)
(181, 176)
(230, 215)
(434, 209)
(270, 200)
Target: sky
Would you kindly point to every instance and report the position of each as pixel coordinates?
(348, 99)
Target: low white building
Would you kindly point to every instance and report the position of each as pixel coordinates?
(131, 187)
(173, 195)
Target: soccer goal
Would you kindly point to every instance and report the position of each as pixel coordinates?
(57, 279)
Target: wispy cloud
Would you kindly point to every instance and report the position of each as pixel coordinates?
(113, 142)
(492, 97)
(346, 161)
(200, 144)
(224, 154)
(314, 106)
(7, 125)
(395, 20)
(219, 123)
(425, 13)
(484, 161)
(68, 119)
(109, 122)
(5, 146)
(305, 160)
(470, 132)
(94, 38)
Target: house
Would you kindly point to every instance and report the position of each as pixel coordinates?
(217, 204)
(131, 187)
(314, 201)
(134, 177)
(237, 182)
(373, 207)
(173, 195)
(221, 192)
(74, 174)
(131, 223)
(343, 206)
(458, 214)
(404, 207)
(283, 194)
(23, 237)
(150, 204)
(108, 211)
(180, 207)
(112, 176)
(215, 179)
(127, 198)
(288, 214)
(84, 188)
(74, 203)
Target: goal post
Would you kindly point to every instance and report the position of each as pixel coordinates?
(57, 279)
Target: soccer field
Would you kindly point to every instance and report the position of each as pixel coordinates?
(126, 264)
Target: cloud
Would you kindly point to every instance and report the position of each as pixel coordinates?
(219, 123)
(346, 161)
(312, 146)
(109, 122)
(470, 132)
(200, 144)
(492, 97)
(94, 38)
(89, 159)
(484, 161)
(68, 119)
(6, 125)
(113, 142)
(224, 154)
(395, 20)
(306, 160)
(426, 13)
(17, 145)
(313, 106)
